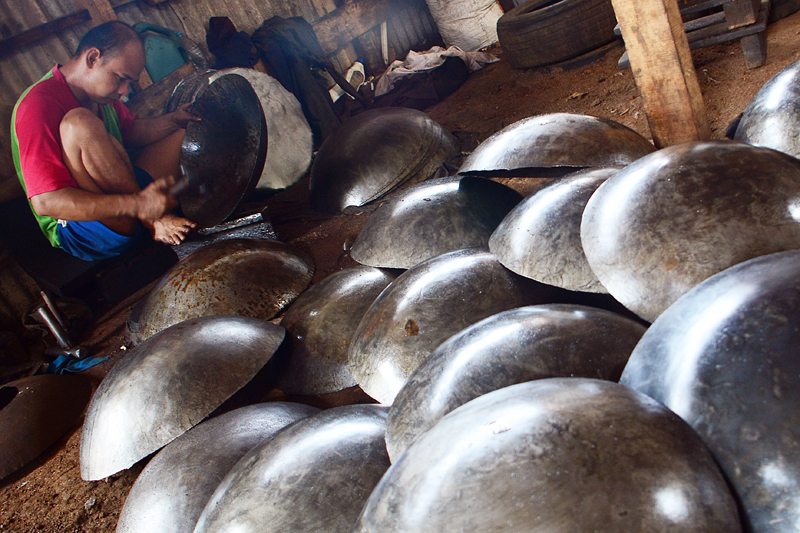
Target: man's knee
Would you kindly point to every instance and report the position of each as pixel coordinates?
(79, 123)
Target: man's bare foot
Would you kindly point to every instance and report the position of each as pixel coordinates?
(171, 229)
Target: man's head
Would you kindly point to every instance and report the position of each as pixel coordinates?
(112, 56)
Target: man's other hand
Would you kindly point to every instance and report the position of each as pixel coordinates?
(182, 116)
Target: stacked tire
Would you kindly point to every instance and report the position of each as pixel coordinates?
(542, 32)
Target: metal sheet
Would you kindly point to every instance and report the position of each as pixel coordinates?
(168, 384)
(433, 218)
(670, 220)
(313, 476)
(225, 151)
(541, 237)
(172, 490)
(247, 277)
(373, 153)
(557, 140)
(724, 358)
(320, 325)
(772, 118)
(290, 142)
(511, 347)
(426, 305)
(34, 413)
(555, 455)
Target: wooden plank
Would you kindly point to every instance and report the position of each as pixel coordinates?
(38, 33)
(662, 66)
(336, 29)
(741, 12)
(754, 48)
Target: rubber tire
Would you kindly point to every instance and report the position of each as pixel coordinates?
(541, 33)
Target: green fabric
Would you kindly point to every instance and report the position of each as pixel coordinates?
(111, 121)
(49, 225)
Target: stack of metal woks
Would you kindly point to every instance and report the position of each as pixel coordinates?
(246, 277)
(223, 154)
(313, 476)
(724, 357)
(772, 118)
(557, 454)
(541, 237)
(426, 305)
(560, 140)
(170, 383)
(375, 152)
(290, 142)
(433, 218)
(673, 218)
(320, 325)
(515, 346)
(173, 489)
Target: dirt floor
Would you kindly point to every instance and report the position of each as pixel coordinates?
(49, 495)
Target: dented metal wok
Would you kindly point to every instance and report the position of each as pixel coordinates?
(223, 154)
(724, 358)
(559, 454)
(34, 413)
(433, 218)
(511, 347)
(314, 476)
(173, 489)
(320, 325)
(290, 142)
(541, 237)
(558, 140)
(373, 153)
(168, 384)
(247, 277)
(665, 223)
(427, 304)
(772, 118)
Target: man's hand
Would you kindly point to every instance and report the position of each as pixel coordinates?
(154, 200)
(182, 116)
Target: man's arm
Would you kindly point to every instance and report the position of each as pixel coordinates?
(149, 130)
(71, 203)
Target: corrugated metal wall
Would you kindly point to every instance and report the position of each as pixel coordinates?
(410, 27)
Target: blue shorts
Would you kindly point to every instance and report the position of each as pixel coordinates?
(92, 241)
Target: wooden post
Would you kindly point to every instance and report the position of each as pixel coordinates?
(102, 11)
(662, 66)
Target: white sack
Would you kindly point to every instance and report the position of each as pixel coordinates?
(468, 24)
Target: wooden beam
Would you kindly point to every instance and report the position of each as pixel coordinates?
(40, 32)
(662, 67)
(338, 28)
(100, 10)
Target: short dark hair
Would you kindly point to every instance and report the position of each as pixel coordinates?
(107, 37)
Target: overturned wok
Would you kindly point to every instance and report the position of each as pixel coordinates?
(558, 140)
(246, 277)
(168, 384)
(724, 358)
(375, 152)
(433, 218)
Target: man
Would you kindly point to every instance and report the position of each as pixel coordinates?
(68, 135)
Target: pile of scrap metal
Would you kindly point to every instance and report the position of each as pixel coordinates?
(491, 331)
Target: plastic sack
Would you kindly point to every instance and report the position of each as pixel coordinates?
(468, 24)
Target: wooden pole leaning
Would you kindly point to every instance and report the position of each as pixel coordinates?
(662, 67)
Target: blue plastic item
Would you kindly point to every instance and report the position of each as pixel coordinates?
(163, 52)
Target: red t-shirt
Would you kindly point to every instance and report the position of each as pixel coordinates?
(36, 127)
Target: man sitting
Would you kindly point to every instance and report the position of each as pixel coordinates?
(68, 133)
